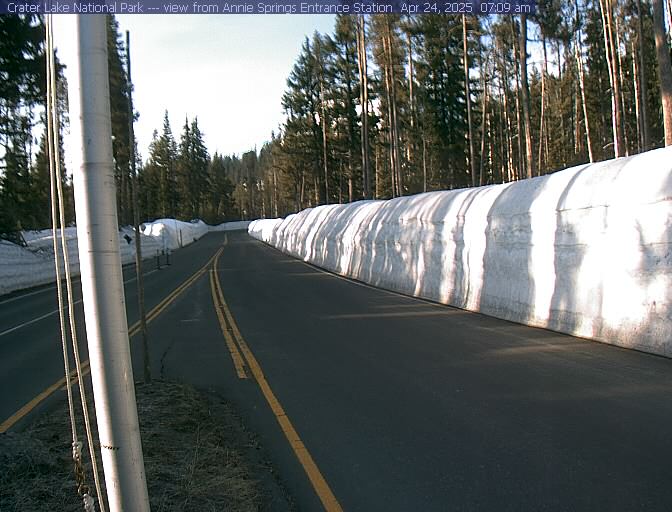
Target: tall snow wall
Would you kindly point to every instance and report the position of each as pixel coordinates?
(585, 251)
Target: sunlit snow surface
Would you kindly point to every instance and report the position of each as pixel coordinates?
(586, 251)
(24, 267)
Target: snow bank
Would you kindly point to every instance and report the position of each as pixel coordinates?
(173, 234)
(231, 226)
(24, 267)
(585, 251)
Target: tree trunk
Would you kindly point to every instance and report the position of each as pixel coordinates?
(519, 126)
(275, 192)
(507, 123)
(638, 98)
(388, 98)
(664, 68)
(467, 95)
(302, 193)
(424, 165)
(642, 80)
(411, 99)
(324, 140)
(610, 54)
(364, 102)
(626, 141)
(395, 123)
(542, 119)
(483, 125)
(525, 93)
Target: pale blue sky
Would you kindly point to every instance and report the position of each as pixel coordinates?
(229, 70)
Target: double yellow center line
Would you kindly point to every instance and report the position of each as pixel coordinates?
(243, 362)
(135, 328)
(237, 345)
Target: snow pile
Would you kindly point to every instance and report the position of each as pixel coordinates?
(586, 251)
(231, 226)
(24, 267)
(172, 234)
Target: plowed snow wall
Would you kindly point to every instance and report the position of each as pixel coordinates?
(585, 251)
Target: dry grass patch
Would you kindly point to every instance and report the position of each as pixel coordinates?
(198, 457)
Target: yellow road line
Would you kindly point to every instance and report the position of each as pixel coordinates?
(9, 422)
(318, 482)
(233, 349)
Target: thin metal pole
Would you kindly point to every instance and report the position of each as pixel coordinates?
(100, 266)
(147, 371)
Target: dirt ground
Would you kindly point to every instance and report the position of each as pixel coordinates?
(198, 457)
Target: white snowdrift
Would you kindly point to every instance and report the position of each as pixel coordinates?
(173, 234)
(585, 251)
(24, 267)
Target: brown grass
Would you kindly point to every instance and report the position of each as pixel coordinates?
(198, 457)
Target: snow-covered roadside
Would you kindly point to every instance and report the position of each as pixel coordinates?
(25, 267)
(586, 251)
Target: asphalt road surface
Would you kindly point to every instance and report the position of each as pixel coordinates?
(31, 357)
(404, 405)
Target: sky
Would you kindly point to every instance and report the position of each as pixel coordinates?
(230, 71)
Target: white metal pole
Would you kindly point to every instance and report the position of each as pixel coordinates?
(100, 265)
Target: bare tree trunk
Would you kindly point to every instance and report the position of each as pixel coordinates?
(576, 117)
(519, 126)
(395, 122)
(467, 95)
(275, 192)
(507, 122)
(503, 142)
(626, 140)
(390, 134)
(642, 80)
(364, 101)
(525, 93)
(424, 165)
(411, 97)
(324, 141)
(542, 120)
(606, 10)
(664, 68)
(378, 178)
(302, 192)
(395, 166)
(638, 98)
(483, 125)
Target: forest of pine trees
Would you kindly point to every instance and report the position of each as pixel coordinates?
(385, 106)
(393, 105)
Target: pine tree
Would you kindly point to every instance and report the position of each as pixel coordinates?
(664, 68)
(191, 171)
(301, 102)
(220, 200)
(119, 118)
(22, 88)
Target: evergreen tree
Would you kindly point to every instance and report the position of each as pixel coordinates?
(220, 201)
(345, 95)
(158, 180)
(119, 118)
(191, 171)
(22, 88)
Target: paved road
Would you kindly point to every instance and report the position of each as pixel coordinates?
(30, 349)
(405, 405)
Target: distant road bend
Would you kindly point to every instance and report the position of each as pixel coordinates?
(368, 400)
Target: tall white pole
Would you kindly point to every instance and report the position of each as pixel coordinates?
(100, 265)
